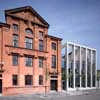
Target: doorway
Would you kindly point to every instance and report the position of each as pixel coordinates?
(53, 85)
(0, 86)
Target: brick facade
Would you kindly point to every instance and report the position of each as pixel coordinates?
(27, 17)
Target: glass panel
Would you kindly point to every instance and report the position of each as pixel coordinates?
(64, 81)
(15, 27)
(83, 66)
(40, 80)
(70, 65)
(29, 43)
(15, 60)
(15, 80)
(53, 61)
(41, 45)
(40, 62)
(64, 57)
(15, 40)
(28, 80)
(28, 40)
(88, 68)
(29, 61)
(53, 46)
(77, 66)
(93, 68)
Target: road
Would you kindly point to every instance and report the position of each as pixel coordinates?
(63, 97)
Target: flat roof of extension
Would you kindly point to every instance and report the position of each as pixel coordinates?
(76, 44)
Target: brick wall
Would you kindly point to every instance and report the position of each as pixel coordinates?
(21, 70)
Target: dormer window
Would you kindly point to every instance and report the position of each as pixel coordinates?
(28, 31)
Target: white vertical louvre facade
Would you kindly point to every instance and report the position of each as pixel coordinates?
(80, 65)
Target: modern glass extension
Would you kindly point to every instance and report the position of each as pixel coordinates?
(80, 66)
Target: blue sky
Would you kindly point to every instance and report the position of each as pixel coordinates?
(73, 20)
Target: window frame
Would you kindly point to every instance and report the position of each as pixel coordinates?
(41, 62)
(15, 55)
(27, 58)
(40, 79)
(15, 79)
(54, 46)
(41, 45)
(15, 27)
(29, 44)
(28, 82)
(15, 40)
(54, 61)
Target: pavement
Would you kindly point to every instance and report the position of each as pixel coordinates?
(85, 95)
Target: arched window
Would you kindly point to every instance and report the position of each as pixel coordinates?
(28, 31)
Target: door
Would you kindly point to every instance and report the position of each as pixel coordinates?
(53, 84)
(0, 86)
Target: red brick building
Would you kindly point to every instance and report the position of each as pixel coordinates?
(30, 59)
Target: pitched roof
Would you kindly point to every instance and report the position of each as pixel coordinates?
(26, 8)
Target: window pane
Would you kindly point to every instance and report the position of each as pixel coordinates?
(15, 40)
(29, 61)
(88, 68)
(77, 66)
(53, 61)
(15, 60)
(15, 27)
(15, 80)
(29, 43)
(40, 80)
(28, 40)
(41, 45)
(40, 62)
(93, 68)
(28, 79)
(70, 65)
(54, 46)
(83, 67)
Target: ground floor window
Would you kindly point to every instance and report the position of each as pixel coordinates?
(15, 80)
(40, 80)
(28, 79)
(0, 85)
